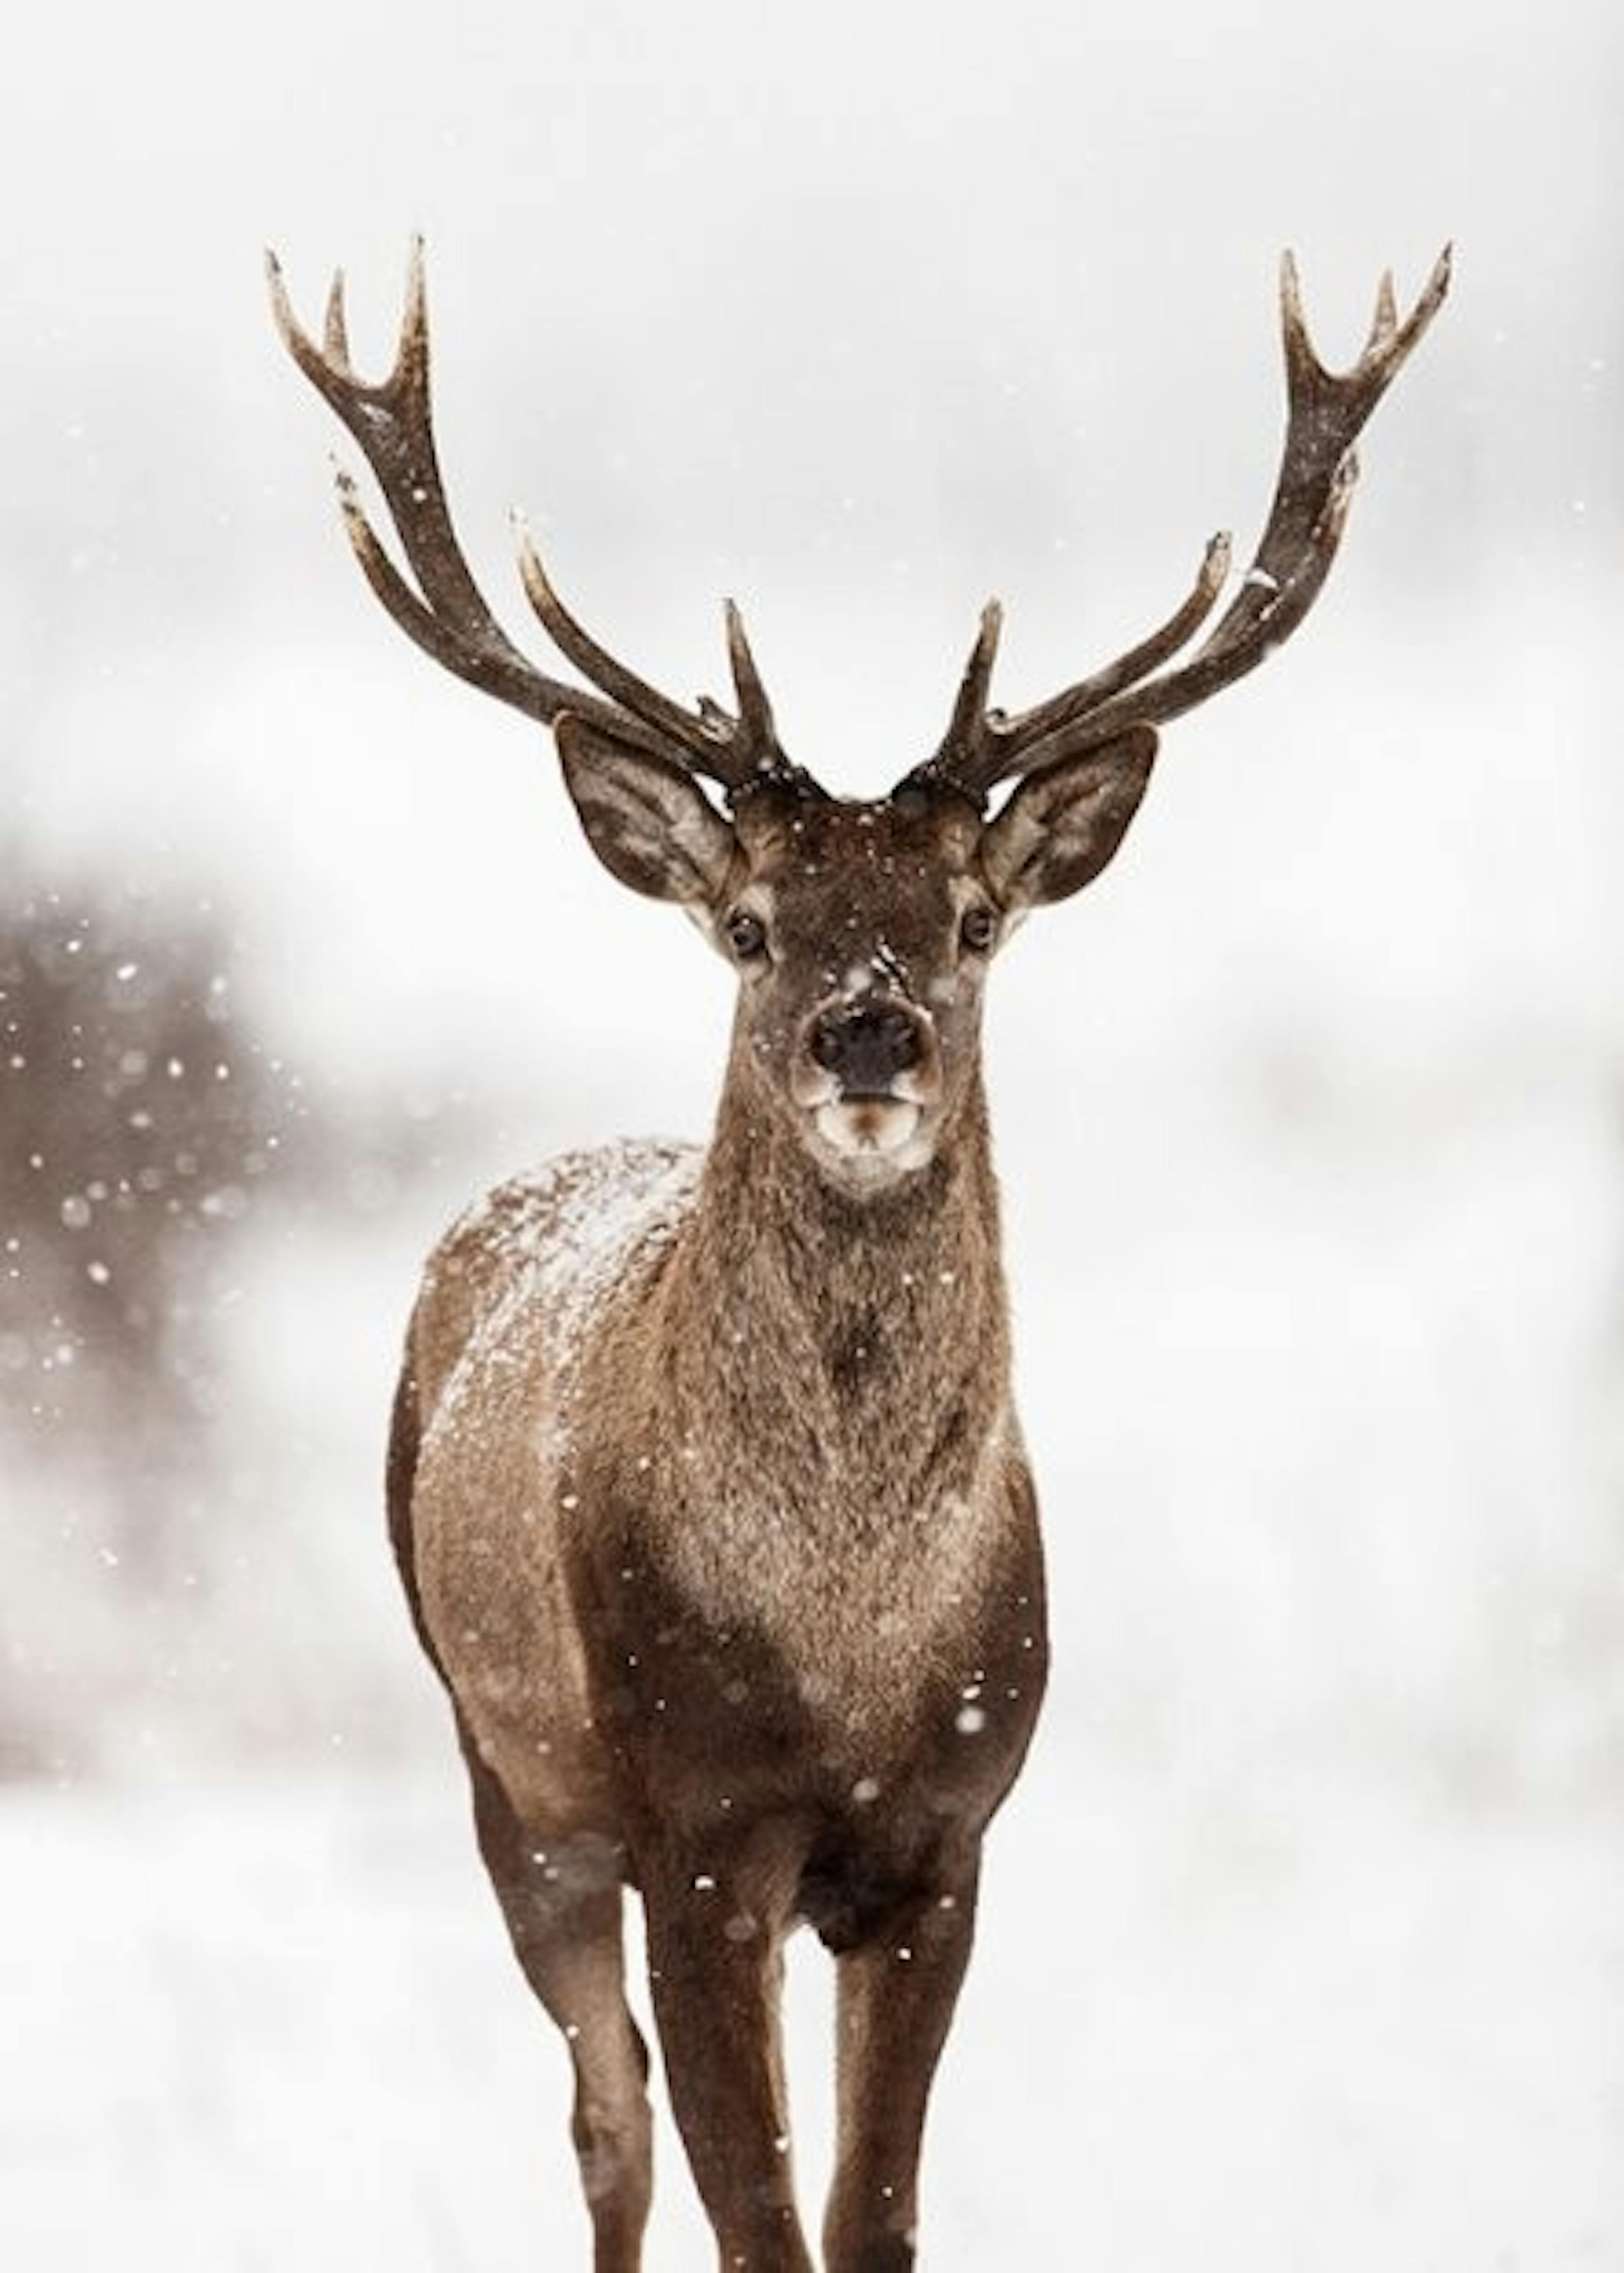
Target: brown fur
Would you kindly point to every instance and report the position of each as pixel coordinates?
(705, 1483)
(712, 1510)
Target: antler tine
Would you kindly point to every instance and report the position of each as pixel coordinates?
(1038, 727)
(964, 746)
(711, 750)
(391, 421)
(1268, 611)
(1302, 365)
(981, 748)
(432, 633)
(755, 712)
(336, 332)
(447, 614)
(1384, 323)
(1326, 411)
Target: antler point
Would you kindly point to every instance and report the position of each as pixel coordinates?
(281, 306)
(335, 331)
(536, 582)
(411, 354)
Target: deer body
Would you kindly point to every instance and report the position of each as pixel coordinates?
(790, 1485)
(706, 1481)
(761, 1671)
(710, 1492)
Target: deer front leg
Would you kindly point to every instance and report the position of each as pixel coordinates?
(895, 1994)
(715, 1960)
(561, 1897)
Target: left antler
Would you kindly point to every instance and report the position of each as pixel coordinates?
(447, 614)
(1326, 411)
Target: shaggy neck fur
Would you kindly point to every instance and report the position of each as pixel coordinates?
(860, 1344)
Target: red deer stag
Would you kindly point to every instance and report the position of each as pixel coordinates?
(706, 1481)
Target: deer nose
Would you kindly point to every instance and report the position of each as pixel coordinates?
(866, 1045)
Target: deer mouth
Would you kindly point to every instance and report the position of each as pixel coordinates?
(867, 1087)
(878, 1126)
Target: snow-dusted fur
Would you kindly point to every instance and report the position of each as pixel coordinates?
(711, 1499)
(713, 1516)
(601, 1317)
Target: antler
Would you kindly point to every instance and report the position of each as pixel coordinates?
(1318, 470)
(447, 614)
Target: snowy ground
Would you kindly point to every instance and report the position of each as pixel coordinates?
(1303, 2030)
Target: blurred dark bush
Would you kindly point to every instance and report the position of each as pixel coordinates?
(142, 1122)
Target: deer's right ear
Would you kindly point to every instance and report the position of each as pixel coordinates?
(649, 821)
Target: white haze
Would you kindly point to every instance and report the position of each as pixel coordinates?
(1301, 1951)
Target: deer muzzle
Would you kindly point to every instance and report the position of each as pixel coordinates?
(870, 1065)
(867, 1044)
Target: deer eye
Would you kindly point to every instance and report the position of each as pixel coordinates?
(979, 929)
(746, 934)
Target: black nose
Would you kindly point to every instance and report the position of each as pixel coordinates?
(866, 1045)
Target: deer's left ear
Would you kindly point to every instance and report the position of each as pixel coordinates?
(647, 820)
(1065, 822)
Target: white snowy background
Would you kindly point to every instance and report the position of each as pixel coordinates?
(1304, 1945)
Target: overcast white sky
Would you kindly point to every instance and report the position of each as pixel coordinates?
(857, 313)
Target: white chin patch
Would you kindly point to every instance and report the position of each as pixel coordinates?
(878, 1133)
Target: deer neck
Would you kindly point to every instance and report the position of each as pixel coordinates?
(824, 1334)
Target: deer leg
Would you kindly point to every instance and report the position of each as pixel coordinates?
(894, 1999)
(560, 1894)
(715, 1959)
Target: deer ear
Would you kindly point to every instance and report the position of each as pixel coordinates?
(1065, 822)
(649, 821)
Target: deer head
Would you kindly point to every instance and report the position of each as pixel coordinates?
(860, 930)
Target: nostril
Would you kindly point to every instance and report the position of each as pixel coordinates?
(898, 1037)
(866, 1045)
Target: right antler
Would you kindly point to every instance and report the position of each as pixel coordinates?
(447, 614)
(1325, 412)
